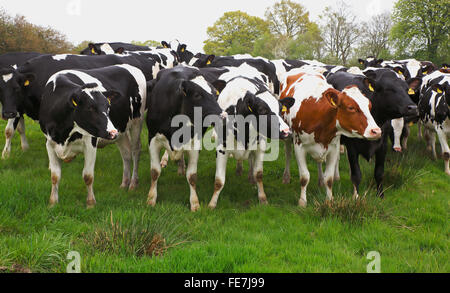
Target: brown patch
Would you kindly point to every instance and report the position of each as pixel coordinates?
(289, 82)
(155, 175)
(54, 179)
(88, 179)
(446, 156)
(330, 183)
(69, 160)
(303, 182)
(8, 133)
(259, 176)
(218, 185)
(15, 268)
(443, 70)
(193, 180)
(350, 115)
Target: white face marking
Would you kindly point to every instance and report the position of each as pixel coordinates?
(193, 60)
(370, 59)
(7, 77)
(363, 104)
(413, 67)
(14, 66)
(200, 81)
(107, 49)
(85, 78)
(60, 57)
(110, 126)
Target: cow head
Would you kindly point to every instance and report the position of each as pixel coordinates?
(267, 110)
(201, 60)
(436, 103)
(91, 110)
(370, 61)
(13, 88)
(353, 113)
(100, 49)
(414, 85)
(390, 99)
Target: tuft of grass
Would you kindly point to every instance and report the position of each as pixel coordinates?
(349, 210)
(144, 236)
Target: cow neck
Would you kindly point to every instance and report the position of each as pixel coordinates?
(318, 118)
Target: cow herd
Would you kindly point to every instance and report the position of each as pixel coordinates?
(105, 95)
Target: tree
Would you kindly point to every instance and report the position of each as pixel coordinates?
(340, 32)
(308, 45)
(376, 36)
(234, 33)
(287, 18)
(421, 28)
(148, 43)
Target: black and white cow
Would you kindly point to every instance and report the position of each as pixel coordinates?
(249, 99)
(112, 48)
(176, 92)
(389, 101)
(434, 108)
(8, 63)
(82, 110)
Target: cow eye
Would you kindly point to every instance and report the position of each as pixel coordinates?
(351, 109)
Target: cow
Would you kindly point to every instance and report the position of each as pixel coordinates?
(389, 101)
(112, 48)
(249, 99)
(435, 113)
(25, 86)
(176, 92)
(8, 63)
(318, 118)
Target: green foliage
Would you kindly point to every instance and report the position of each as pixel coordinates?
(287, 18)
(18, 35)
(81, 46)
(421, 29)
(234, 33)
(308, 45)
(149, 43)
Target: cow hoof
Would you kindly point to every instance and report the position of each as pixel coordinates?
(164, 163)
(134, 185)
(355, 196)
(91, 204)
(212, 206)
(5, 155)
(151, 203)
(195, 208)
(286, 178)
(398, 150)
(447, 172)
(51, 204)
(25, 148)
(125, 184)
(251, 180)
(263, 201)
(302, 203)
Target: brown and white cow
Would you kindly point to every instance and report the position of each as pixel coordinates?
(318, 118)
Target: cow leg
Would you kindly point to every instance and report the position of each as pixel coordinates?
(9, 134)
(165, 159)
(221, 171)
(251, 167)
(430, 138)
(258, 173)
(23, 137)
(397, 126)
(124, 145)
(136, 146)
(332, 160)
(337, 175)
(55, 169)
(405, 136)
(355, 171)
(320, 175)
(181, 166)
(90, 155)
(419, 132)
(239, 168)
(191, 175)
(300, 155)
(155, 167)
(445, 148)
(380, 157)
(287, 168)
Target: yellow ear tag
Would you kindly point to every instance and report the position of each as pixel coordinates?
(109, 101)
(209, 62)
(361, 62)
(27, 83)
(284, 110)
(401, 73)
(218, 93)
(250, 109)
(425, 72)
(411, 92)
(182, 50)
(75, 104)
(333, 103)
(439, 91)
(411, 124)
(93, 51)
(371, 87)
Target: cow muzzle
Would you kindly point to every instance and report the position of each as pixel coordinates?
(412, 112)
(285, 133)
(373, 134)
(113, 134)
(9, 115)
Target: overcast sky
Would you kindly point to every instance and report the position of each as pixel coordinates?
(186, 20)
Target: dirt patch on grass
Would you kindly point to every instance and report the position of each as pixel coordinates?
(15, 269)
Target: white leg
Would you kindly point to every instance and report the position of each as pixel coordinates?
(258, 173)
(165, 160)
(300, 155)
(9, 134)
(155, 167)
(219, 183)
(337, 174)
(320, 175)
(444, 147)
(55, 168)
(90, 155)
(397, 125)
(191, 175)
(23, 137)
(288, 155)
(124, 145)
(136, 146)
(332, 158)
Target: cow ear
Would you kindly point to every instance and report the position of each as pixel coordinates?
(75, 99)
(183, 89)
(370, 84)
(249, 101)
(93, 48)
(361, 61)
(112, 96)
(219, 85)
(165, 44)
(287, 103)
(400, 70)
(28, 79)
(414, 83)
(438, 88)
(379, 61)
(371, 74)
(182, 48)
(333, 98)
(120, 50)
(210, 59)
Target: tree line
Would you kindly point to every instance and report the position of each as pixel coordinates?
(415, 29)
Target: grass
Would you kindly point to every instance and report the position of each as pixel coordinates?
(409, 228)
